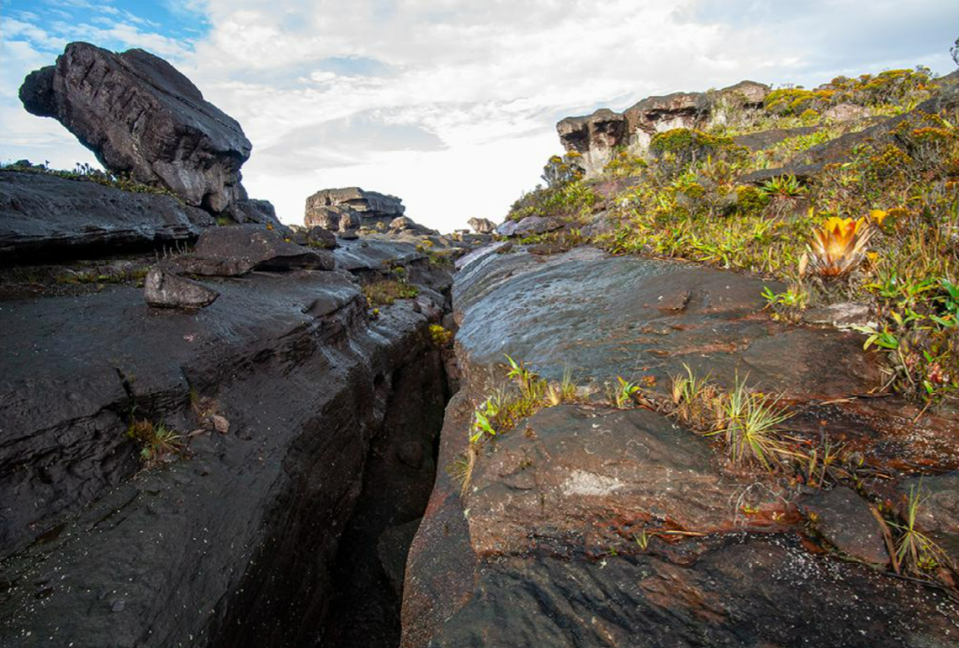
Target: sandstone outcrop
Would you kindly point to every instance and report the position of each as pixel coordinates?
(482, 225)
(350, 208)
(43, 216)
(143, 118)
(596, 136)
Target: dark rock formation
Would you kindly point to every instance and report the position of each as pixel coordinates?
(543, 548)
(341, 210)
(308, 430)
(236, 250)
(164, 290)
(846, 522)
(42, 215)
(141, 117)
(596, 136)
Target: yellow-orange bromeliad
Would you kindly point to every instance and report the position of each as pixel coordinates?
(838, 246)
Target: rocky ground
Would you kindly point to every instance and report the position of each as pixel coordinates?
(218, 430)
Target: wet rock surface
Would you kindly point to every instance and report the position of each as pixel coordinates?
(589, 526)
(44, 216)
(142, 117)
(287, 399)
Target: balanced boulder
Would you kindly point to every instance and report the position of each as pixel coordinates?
(143, 118)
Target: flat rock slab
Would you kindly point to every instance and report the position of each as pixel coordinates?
(605, 317)
(761, 592)
(236, 250)
(574, 478)
(42, 215)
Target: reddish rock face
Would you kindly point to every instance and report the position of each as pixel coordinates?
(590, 526)
(573, 479)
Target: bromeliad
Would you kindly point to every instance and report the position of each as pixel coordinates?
(838, 246)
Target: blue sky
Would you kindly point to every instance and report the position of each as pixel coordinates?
(450, 104)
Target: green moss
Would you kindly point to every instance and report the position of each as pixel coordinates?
(385, 292)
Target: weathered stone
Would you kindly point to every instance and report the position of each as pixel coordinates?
(537, 225)
(403, 222)
(260, 212)
(846, 314)
(322, 407)
(319, 237)
(165, 290)
(482, 225)
(746, 592)
(44, 215)
(142, 117)
(236, 250)
(844, 519)
(845, 112)
(507, 229)
(594, 137)
(366, 207)
(573, 479)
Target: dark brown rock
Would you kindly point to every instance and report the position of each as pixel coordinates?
(42, 215)
(142, 117)
(845, 521)
(164, 290)
(236, 250)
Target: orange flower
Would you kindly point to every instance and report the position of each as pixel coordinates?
(838, 246)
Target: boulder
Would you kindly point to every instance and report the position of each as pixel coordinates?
(43, 215)
(328, 208)
(402, 223)
(142, 117)
(537, 225)
(260, 212)
(236, 250)
(164, 290)
(317, 237)
(482, 225)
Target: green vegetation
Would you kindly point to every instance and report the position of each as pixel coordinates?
(440, 336)
(916, 552)
(384, 292)
(86, 173)
(879, 226)
(157, 442)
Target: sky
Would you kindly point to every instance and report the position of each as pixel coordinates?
(449, 104)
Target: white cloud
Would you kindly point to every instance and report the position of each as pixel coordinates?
(451, 104)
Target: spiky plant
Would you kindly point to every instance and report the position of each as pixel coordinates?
(914, 549)
(750, 427)
(838, 246)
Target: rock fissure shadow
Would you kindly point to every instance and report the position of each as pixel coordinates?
(400, 469)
